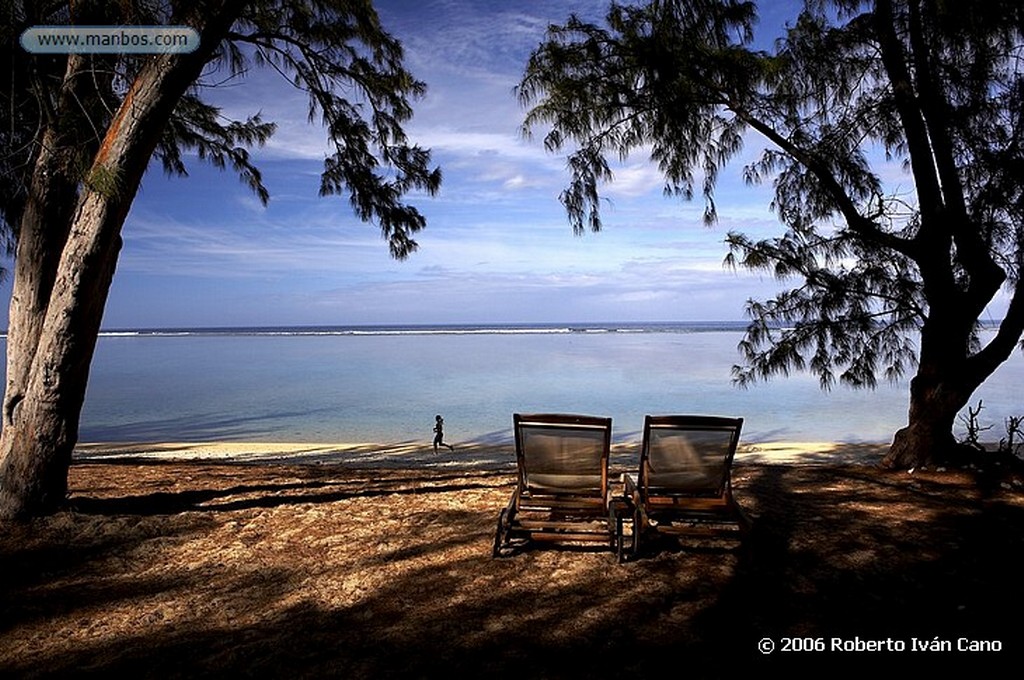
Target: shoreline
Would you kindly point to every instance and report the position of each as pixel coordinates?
(420, 454)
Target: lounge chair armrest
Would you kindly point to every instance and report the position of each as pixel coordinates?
(513, 501)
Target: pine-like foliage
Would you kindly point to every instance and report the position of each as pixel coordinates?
(851, 88)
(334, 50)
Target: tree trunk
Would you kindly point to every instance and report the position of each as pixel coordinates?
(36, 445)
(53, 195)
(42, 235)
(41, 421)
(927, 439)
(41, 238)
(61, 286)
(948, 374)
(936, 397)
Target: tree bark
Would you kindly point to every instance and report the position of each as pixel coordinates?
(63, 274)
(928, 437)
(44, 228)
(36, 446)
(947, 376)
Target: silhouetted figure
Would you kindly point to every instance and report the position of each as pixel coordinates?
(439, 434)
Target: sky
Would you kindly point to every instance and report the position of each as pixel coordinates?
(202, 251)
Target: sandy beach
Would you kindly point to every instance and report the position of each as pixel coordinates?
(186, 560)
(420, 455)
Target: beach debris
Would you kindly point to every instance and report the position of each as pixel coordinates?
(973, 427)
(1014, 439)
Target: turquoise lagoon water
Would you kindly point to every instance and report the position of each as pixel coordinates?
(386, 384)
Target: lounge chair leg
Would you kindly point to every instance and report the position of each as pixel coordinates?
(638, 529)
(618, 539)
(500, 534)
(744, 521)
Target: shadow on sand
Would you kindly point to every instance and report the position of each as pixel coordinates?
(407, 587)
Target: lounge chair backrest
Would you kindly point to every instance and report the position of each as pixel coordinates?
(687, 455)
(563, 454)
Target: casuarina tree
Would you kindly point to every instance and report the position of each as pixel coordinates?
(887, 282)
(80, 130)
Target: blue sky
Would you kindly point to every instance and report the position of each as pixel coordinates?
(202, 251)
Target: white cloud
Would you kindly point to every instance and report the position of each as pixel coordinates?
(635, 179)
(497, 245)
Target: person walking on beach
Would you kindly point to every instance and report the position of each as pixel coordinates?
(439, 434)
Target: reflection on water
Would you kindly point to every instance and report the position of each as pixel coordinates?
(387, 387)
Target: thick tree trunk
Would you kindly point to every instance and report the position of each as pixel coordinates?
(36, 444)
(42, 235)
(41, 238)
(44, 227)
(928, 436)
(948, 375)
(61, 285)
(941, 388)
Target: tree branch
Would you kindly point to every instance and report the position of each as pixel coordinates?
(1006, 339)
(862, 226)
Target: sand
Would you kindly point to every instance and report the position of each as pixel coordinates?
(420, 455)
(186, 560)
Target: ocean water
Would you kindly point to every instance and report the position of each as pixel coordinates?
(386, 384)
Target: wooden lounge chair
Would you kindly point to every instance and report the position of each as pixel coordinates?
(684, 484)
(561, 491)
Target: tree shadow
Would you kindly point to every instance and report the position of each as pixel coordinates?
(834, 552)
(317, 485)
(847, 554)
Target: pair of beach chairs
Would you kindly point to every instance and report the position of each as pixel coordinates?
(682, 487)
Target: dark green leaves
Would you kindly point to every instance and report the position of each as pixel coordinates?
(358, 89)
(655, 80)
(893, 139)
(196, 126)
(849, 321)
(336, 51)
